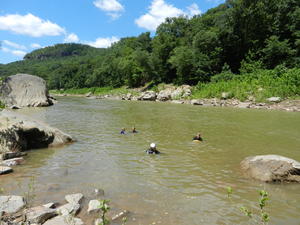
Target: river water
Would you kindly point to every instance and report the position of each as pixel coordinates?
(184, 185)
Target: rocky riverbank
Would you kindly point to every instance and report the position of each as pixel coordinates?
(183, 95)
(19, 133)
(76, 209)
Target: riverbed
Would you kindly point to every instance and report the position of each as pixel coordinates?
(186, 184)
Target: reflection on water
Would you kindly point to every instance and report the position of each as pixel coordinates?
(184, 185)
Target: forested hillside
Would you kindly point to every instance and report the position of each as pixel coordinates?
(236, 38)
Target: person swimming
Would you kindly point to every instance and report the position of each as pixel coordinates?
(152, 149)
(123, 131)
(133, 130)
(198, 137)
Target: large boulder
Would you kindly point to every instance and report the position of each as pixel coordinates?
(20, 133)
(23, 90)
(271, 168)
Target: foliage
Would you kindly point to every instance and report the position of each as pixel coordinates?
(104, 209)
(262, 84)
(227, 44)
(263, 216)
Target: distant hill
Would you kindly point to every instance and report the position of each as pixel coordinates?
(62, 50)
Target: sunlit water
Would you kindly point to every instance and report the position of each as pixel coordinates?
(184, 185)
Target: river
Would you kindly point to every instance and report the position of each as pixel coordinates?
(186, 184)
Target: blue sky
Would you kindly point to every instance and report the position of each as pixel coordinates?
(26, 25)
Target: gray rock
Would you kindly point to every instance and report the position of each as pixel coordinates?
(11, 204)
(274, 99)
(196, 102)
(5, 170)
(177, 101)
(68, 209)
(164, 95)
(74, 198)
(20, 133)
(244, 105)
(12, 162)
(271, 168)
(94, 206)
(23, 90)
(148, 96)
(64, 220)
(177, 94)
(39, 214)
(99, 192)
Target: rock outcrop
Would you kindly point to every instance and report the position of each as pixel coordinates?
(271, 168)
(23, 90)
(20, 133)
(11, 204)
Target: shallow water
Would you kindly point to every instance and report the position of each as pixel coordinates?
(184, 185)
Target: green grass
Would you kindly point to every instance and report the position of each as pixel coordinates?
(95, 91)
(261, 84)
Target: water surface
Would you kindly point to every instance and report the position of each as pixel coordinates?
(184, 185)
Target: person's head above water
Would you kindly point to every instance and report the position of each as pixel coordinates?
(153, 145)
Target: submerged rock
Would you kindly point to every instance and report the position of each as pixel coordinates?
(11, 204)
(271, 168)
(20, 133)
(24, 90)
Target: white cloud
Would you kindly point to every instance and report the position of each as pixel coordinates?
(71, 38)
(14, 52)
(13, 45)
(30, 25)
(35, 45)
(113, 8)
(103, 42)
(160, 10)
(193, 10)
(18, 53)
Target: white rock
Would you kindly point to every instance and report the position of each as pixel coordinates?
(11, 204)
(274, 99)
(12, 162)
(94, 206)
(74, 198)
(68, 209)
(64, 220)
(39, 214)
(196, 102)
(5, 170)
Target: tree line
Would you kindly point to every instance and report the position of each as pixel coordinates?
(232, 39)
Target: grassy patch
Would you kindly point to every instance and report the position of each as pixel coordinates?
(261, 84)
(95, 91)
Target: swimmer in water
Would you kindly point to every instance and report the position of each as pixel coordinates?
(123, 131)
(152, 149)
(197, 137)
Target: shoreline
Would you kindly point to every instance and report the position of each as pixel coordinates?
(289, 105)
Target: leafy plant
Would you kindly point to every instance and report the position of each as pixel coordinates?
(104, 209)
(263, 216)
